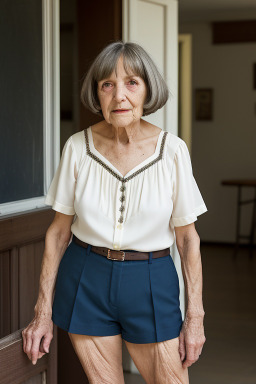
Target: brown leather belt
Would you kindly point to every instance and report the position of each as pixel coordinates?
(114, 254)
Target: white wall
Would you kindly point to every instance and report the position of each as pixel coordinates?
(224, 148)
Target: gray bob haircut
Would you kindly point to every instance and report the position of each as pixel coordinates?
(136, 62)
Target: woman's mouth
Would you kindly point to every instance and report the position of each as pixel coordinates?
(121, 111)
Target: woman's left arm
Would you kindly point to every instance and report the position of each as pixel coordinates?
(192, 336)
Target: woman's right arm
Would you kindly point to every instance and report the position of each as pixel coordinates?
(56, 242)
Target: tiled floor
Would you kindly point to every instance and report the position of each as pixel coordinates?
(229, 354)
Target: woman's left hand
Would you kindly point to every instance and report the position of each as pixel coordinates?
(191, 339)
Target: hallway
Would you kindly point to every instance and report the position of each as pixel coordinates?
(229, 354)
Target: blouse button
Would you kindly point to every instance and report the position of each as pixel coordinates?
(119, 226)
(121, 219)
(121, 209)
(116, 246)
(122, 198)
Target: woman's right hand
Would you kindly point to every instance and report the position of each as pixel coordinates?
(37, 337)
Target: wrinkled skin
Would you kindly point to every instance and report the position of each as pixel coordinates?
(37, 337)
(192, 339)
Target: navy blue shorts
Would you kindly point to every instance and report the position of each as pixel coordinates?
(138, 299)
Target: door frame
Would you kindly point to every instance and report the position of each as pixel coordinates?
(185, 88)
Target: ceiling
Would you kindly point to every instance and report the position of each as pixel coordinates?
(196, 10)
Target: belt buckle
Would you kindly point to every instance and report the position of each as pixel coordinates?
(121, 258)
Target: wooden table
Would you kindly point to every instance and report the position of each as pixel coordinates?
(240, 183)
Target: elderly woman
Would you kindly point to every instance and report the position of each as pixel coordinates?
(131, 188)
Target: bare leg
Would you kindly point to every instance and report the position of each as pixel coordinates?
(100, 356)
(159, 363)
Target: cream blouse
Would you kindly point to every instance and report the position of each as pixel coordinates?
(138, 211)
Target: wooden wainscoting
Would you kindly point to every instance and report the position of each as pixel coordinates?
(22, 239)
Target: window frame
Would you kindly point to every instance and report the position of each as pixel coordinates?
(51, 107)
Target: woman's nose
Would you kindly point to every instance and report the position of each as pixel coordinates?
(119, 93)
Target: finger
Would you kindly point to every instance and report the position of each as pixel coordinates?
(187, 363)
(196, 352)
(41, 346)
(35, 349)
(24, 340)
(46, 342)
(182, 349)
(190, 356)
(28, 345)
(41, 354)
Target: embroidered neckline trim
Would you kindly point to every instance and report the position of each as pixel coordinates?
(110, 170)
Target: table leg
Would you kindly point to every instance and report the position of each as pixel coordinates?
(237, 220)
(253, 225)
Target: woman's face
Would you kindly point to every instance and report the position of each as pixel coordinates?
(124, 92)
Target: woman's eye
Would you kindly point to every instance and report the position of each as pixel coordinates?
(133, 82)
(106, 85)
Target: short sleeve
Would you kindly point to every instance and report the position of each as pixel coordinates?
(187, 199)
(61, 192)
